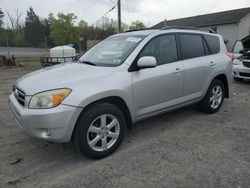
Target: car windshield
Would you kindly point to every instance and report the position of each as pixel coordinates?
(112, 51)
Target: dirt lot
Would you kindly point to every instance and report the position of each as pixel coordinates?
(184, 148)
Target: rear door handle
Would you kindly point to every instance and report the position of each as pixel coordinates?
(177, 70)
(211, 64)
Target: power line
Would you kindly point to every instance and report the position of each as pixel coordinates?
(104, 14)
(110, 10)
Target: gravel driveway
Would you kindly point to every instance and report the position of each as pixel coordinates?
(184, 148)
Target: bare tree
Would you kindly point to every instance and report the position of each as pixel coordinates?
(11, 19)
(14, 20)
(18, 16)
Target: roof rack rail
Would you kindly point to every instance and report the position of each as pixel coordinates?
(188, 28)
(132, 30)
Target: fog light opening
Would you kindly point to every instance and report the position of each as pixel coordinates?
(47, 132)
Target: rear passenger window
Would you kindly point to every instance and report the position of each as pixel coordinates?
(213, 43)
(191, 46)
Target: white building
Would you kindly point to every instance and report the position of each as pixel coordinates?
(233, 25)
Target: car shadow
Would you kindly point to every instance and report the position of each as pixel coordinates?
(64, 152)
(243, 82)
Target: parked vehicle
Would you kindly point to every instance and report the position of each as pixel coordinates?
(241, 63)
(121, 80)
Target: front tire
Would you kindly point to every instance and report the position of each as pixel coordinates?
(214, 98)
(99, 130)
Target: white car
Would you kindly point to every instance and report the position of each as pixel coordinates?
(241, 67)
(241, 63)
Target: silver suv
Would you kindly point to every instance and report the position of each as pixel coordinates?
(123, 79)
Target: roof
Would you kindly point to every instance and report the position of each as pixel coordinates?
(219, 18)
(139, 32)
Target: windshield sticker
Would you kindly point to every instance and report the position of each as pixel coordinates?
(133, 39)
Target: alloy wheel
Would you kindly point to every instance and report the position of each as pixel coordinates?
(103, 132)
(216, 97)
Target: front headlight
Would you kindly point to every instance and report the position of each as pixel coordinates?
(236, 62)
(48, 99)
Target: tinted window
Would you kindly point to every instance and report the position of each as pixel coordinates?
(213, 43)
(162, 48)
(191, 46)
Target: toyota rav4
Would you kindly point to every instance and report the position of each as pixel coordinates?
(121, 80)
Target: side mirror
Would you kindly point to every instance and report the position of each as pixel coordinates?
(147, 62)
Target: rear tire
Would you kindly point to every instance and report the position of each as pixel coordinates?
(99, 130)
(214, 98)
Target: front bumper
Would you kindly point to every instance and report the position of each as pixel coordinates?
(54, 125)
(239, 71)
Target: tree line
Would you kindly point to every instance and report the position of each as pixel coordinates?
(56, 30)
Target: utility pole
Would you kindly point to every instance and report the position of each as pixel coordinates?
(7, 43)
(119, 15)
(45, 42)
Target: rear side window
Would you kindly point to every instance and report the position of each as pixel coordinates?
(191, 46)
(213, 43)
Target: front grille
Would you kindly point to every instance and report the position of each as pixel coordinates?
(244, 74)
(246, 64)
(20, 96)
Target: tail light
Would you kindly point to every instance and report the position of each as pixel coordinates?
(230, 55)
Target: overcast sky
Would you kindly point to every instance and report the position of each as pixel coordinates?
(149, 11)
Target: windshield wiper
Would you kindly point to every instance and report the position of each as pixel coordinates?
(88, 63)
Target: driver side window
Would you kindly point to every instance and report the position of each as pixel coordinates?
(162, 48)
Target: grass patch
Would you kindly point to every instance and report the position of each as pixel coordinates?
(28, 62)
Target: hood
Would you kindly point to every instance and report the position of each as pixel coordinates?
(60, 76)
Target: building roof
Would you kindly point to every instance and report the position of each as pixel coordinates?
(219, 18)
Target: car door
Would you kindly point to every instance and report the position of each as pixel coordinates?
(157, 88)
(198, 65)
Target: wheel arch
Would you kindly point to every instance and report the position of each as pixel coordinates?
(116, 101)
(223, 78)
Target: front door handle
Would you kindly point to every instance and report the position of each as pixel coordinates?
(211, 64)
(177, 70)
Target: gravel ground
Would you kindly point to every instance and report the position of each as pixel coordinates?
(184, 148)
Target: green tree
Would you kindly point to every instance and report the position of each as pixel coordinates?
(137, 25)
(33, 31)
(62, 29)
(46, 23)
(50, 18)
(83, 28)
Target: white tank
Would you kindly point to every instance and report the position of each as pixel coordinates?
(64, 53)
